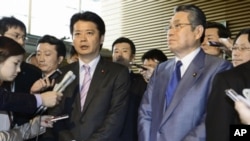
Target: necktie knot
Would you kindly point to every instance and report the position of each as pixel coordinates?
(178, 64)
(178, 70)
(86, 68)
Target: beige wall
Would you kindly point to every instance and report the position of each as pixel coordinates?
(144, 21)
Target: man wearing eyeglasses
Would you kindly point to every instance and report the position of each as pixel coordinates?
(173, 107)
(241, 48)
(16, 30)
(220, 110)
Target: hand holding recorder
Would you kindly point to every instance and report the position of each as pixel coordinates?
(43, 84)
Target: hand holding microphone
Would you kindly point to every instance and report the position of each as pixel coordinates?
(51, 98)
(68, 78)
(243, 111)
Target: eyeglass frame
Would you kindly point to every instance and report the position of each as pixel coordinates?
(240, 48)
(177, 26)
(17, 36)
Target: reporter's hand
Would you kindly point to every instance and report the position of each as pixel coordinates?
(243, 111)
(227, 42)
(45, 121)
(147, 73)
(41, 85)
(50, 98)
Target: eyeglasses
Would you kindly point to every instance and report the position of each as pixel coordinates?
(177, 26)
(17, 36)
(234, 48)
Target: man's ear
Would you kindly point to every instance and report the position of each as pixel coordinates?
(133, 57)
(199, 31)
(102, 39)
(60, 60)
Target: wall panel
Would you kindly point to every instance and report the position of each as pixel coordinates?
(144, 21)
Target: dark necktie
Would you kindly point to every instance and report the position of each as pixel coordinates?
(174, 80)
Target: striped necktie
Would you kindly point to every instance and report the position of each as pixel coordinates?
(85, 84)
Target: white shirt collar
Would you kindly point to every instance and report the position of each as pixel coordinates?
(187, 60)
(92, 64)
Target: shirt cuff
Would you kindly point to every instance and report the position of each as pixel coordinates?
(38, 100)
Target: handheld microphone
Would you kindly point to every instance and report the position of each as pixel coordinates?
(67, 79)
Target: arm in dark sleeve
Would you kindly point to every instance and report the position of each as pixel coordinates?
(23, 103)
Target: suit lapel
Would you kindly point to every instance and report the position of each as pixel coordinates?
(188, 80)
(169, 68)
(74, 89)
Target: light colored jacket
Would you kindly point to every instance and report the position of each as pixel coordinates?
(23, 132)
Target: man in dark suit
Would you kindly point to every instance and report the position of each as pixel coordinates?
(179, 115)
(96, 114)
(123, 52)
(220, 110)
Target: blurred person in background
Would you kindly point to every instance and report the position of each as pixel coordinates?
(72, 57)
(220, 108)
(241, 48)
(50, 53)
(150, 60)
(31, 59)
(123, 52)
(214, 31)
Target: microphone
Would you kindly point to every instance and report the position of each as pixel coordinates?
(67, 79)
(246, 93)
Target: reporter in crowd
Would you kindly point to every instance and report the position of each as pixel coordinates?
(150, 60)
(11, 56)
(215, 31)
(220, 108)
(50, 54)
(123, 52)
(16, 30)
